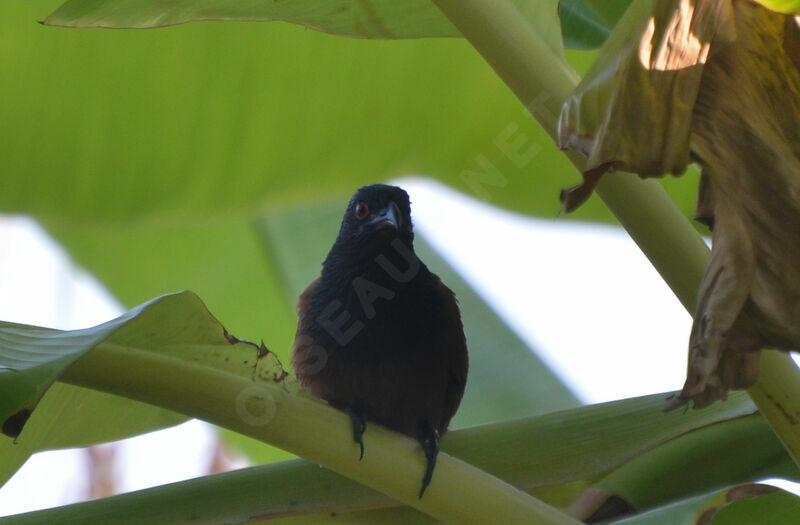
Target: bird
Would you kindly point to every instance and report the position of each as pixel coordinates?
(380, 336)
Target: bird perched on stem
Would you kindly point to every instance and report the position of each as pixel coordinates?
(379, 336)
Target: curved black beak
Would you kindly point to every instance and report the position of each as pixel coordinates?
(389, 216)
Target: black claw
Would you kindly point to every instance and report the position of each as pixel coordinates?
(359, 427)
(430, 445)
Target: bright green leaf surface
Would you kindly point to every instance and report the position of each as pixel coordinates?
(586, 24)
(205, 119)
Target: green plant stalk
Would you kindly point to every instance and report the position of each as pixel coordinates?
(459, 493)
(777, 396)
(543, 81)
(563, 461)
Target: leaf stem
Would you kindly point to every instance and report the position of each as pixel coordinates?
(624, 433)
(777, 396)
(393, 463)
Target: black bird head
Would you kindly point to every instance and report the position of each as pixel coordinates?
(377, 216)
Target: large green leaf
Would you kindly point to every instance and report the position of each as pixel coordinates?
(33, 358)
(223, 118)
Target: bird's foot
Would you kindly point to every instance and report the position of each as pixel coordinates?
(430, 445)
(359, 426)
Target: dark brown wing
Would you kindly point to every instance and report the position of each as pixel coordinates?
(304, 300)
(453, 345)
(303, 358)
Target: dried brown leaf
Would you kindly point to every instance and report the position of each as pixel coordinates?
(717, 81)
(633, 109)
(746, 136)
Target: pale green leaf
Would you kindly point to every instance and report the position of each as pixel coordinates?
(205, 121)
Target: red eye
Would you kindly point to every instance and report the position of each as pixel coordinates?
(362, 210)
